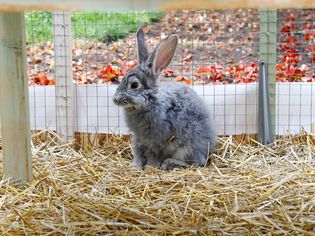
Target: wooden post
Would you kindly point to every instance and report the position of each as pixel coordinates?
(268, 54)
(14, 104)
(63, 75)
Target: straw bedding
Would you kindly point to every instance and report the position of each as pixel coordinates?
(247, 189)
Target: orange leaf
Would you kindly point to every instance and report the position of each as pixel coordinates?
(184, 79)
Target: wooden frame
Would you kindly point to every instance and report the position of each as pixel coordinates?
(131, 5)
(14, 104)
(63, 74)
(268, 54)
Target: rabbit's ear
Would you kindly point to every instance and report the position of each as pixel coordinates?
(163, 54)
(143, 52)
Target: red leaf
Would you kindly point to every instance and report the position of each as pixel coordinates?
(204, 69)
(184, 79)
(37, 60)
(169, 73)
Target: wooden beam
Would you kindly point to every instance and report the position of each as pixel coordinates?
(225, 4)
(14, 104)
(136, 5)
(63, 75)
(268, 54)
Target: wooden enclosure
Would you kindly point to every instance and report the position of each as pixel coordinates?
(13, 87)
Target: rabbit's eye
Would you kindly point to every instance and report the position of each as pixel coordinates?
(134, 85)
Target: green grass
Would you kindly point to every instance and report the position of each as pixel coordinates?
(38, 26)
(97, 26)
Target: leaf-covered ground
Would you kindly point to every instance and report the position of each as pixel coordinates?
(215, 47)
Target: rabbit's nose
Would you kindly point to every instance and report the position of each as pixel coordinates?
(115, 99)
(119, 99)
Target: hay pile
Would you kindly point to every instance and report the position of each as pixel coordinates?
(248, 189)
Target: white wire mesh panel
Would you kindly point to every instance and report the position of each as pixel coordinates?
(295, 67)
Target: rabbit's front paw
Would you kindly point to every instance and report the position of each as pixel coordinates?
(170, 163)
(153, 162)
(136, 164)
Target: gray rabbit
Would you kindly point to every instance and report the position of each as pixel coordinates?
(170, 124)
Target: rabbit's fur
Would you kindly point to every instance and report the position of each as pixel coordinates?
(170, 124)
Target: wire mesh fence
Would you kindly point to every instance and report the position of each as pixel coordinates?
(40, 69)
(217, 55)
(295, 62)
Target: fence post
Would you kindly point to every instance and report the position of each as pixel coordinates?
(14, 103)
(63, 75)
(265, 133)
(268, 54)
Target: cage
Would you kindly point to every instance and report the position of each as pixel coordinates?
(75, 62)
(217, 55)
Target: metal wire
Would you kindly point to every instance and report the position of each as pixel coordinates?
(207, 38)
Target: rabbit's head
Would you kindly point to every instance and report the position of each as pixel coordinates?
(139, 85)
